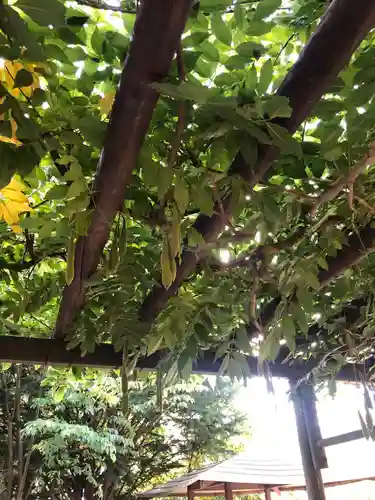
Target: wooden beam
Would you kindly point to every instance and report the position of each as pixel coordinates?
(190, 492)
(313, 476)
(228, 491)
(267, 494)
(342, 438)
(29, 350)
(312, 426)
(157, 32)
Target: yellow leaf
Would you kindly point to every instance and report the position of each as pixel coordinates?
(16, 229)
(166, 272)
(69, 273)
(8, 74)
(13, 202)
(105, 103)
(10, 140)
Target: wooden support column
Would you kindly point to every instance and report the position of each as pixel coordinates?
(312, 426)
(267, 494)
(190, 492)
(228, 490)
(313, 476)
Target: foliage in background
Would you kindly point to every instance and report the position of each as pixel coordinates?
(66, 438)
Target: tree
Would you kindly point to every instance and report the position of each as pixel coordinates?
(249, 211)
(73, 441)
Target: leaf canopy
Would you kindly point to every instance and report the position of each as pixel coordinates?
(60, 68)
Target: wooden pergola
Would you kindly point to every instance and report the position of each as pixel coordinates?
(156, 36)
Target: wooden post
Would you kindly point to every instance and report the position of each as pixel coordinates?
(312, 426)
(228, 490)
(190, 492)
(267, 494)
(313, 476)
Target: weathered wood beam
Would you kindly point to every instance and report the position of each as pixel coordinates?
(325, 55)
(54, 352)
(343, 438)
(156, 34)
(228, 491)
(313, 476)
(313, 427)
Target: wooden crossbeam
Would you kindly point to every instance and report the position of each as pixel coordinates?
(313, 477)
(342, 438)
(54, 352)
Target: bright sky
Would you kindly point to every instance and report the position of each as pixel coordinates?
(272, 416)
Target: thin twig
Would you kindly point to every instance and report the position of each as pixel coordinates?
(347, 180)
(283, 47)
(365, 204)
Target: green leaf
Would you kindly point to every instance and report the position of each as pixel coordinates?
(82, 220)
(76, 188)
(195, 238)
(168, 273)
(57, 193)
(270, 347)
(283, 139)
(59, 394)
(311, 279)
(97, 40)
(214, 5)
(5, 128)
(289, 331)
(299, 315)
(202, 198)
(239, 16)
(164, 181)
(54, 52)
(221, 30)
(150, 170)
(258, 28)
(368, 331)
(187, 368)
(195, 39)
(69, 36)
(186, 90)
(265, 77)
(181, 194)
(277, 106)
(226, 79)
(44, 12)
(70, 137)
(153, 343)
(209, 51)
(236, 62)
(265, 8)
(23, 79)
(39, 97)
(305, 299)
(249, 150)
(251, 78)
(259, 134)
(250, 50)
(69, 272)
(242, 340)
